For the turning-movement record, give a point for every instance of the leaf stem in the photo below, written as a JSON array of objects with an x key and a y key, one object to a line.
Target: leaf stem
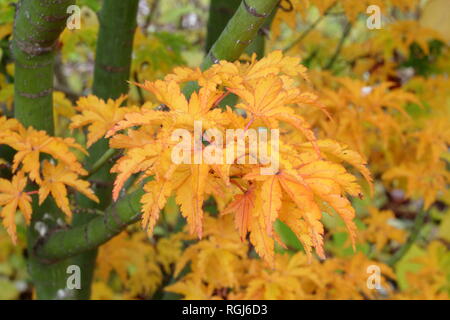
[{"x": 101, "y": 161}]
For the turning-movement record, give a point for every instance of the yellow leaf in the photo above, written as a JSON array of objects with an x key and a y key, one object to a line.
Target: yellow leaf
[
  {"x": 13, "y": 196},
  {"x": 153, "y": 201},
  {"x": 190, "y": 196},
  {"x": 31, "y": 143},
  {"x": 264, "y": 245},
  {"x": 99, "y": 116},
  {"x": 242, "y": 206},
  {"x": 55, "y": 180}
]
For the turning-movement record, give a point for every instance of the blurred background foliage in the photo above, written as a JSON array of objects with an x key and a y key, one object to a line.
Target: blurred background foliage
[{"x": 363, "y": 76}]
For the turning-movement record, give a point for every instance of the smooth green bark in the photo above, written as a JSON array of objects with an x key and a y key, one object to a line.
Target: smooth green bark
[
  {"x": 66, "y": 243},
  {"x": 240, "y": 31},
  {"x": 220, "y": 12},
  {"x": 114, "y": 48},
  {"x": 111, "y": 72},
  {"x": 238, "y": 34},
  {"x": 37, "y": 26}
]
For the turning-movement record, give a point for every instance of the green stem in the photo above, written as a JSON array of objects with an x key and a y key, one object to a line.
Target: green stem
[
  {"x": 220, "y": 12},
  {"x": 79, "y": 239},
  {"x": 258, "y": 45},
  {"x": 111, "y": 72},
  {"x": 100, "y": 162},
  {"x": 37, "y": 26},
  {"x": 415, "y": 232},
  {"x": 240, "y": 31},
  {"x": 114, "y": 48}
]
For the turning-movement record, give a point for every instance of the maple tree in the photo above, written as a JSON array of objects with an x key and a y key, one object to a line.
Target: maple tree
[{"x": 356, "y": 121}]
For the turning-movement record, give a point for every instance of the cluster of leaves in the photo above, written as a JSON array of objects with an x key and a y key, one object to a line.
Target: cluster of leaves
[
  {"x": 133, "y": 267},
  {"x": 268, "y": 90},
  {"x": 375, "y": 100},
  {"x": 52, "y": 176},
  {"x": 223, "y": 268},
  {"x": 397, "y": 118}
]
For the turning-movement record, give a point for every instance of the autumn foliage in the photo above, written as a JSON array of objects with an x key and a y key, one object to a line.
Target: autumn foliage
[{"x": 363, "y": 121}]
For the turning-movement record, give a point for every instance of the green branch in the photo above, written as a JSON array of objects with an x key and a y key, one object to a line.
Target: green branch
[
  {"x": 110, "y": 153},
  {"x": 37, "y": 26},
  {"x": 114, "y": 48},
  {"x": 111, "y": 72},
  {"x": 220, "y": 12},
  {"x": 240, "y": 31},
  {"x": 70, "y": 242}
]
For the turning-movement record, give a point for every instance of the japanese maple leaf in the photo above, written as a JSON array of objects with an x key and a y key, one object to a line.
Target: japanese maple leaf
[
  {"x": 274, "y": 64},
  {"x": 155, "y": 157},
  {"x": 308, "y": 187},
  {"x": 55, "y": 181},
  {"x": 297, "y": 190},
  {"x": 98, "y": 115},
  {"x": 190, "y": 184},
  {"x": 153, "y": 201},
  {"x": 183, "y": 111},
  {"x": 264, "y": 244},
  {"x": 13, "y": 196},
  {"x": 136, "y": 160},
  {"x": 335, "y": 151},
  {"x": 30, "y": 143},
  {"x": 267, "y": 99},
  {"x": 234, "y": 74},
  {"x": 8, "y": 125},
  {"x": 243, "y": 206},
  {"x": 250, "y": 216}
]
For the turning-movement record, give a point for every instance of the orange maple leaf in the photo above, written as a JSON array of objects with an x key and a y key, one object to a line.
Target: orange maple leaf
[
  {"x": 55, "y": 180},
  {"x": 30, "y": 143},
  {"x": 99, "y": 116},
  {"x": 13, "y": 196}
]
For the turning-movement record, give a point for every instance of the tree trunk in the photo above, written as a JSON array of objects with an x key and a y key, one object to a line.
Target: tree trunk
[
  {"x": 37, "y": 26},
  {"x": 112, "y": 70}
]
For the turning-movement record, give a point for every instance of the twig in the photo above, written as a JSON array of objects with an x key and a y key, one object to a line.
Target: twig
[
  {"x": 101, "y": 161},
  {"x": 150, "y": 16},
  {"x": 418, "y": 224},
  {"x": 139, "y": 89},
  {"x": 345, "y": 34},
  {"x": 309, "y": 29}
]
